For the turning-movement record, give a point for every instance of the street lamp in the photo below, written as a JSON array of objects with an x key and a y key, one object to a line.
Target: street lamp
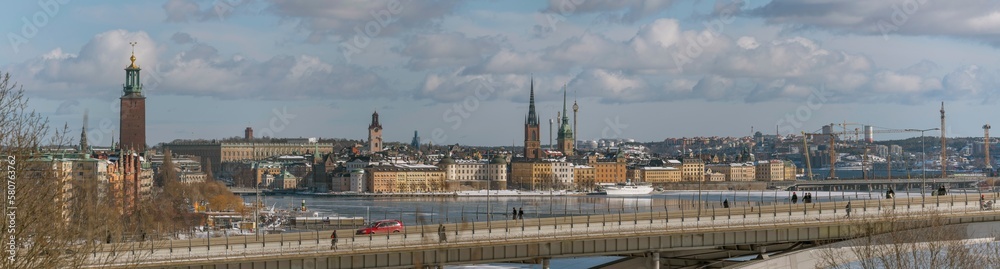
[{"x": 923, "y": 163}]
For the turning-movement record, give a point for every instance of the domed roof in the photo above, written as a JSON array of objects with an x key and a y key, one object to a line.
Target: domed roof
[
  {"x": 498, "y": 160},
  {"x": 447, "y": 160}
]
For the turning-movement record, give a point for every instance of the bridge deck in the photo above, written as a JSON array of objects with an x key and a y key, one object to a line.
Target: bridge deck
[{"x": 532, "y": 239}]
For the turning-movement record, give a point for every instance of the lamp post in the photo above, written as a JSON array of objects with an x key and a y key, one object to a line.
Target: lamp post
[
  {"x": 923, "y": 163},
  {"x": 488, "y": 188}
]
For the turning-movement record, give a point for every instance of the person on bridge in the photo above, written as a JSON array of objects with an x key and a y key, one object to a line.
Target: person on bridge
[
  {"x": 333, "y": 240},
  {"x": 795, "y": 198},
  {"x": 848, "y": 209},
  {"x": 942, "y": 191},
  {"x": 520, "y": 213},
  {"x": 514, "y": 214},
  {"x": 889, "y": 194},
  {"x": 443, "y": 236},
  {"x": 807, "y": 198},
  {"x": 982, "y": 202},
  {"x": 725, "y": 204}
]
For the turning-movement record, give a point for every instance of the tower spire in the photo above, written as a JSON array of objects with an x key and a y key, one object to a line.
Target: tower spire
[
  {"x": 83, "y": 133},
  {"x": 532, "y": 117},
  {"x": 565, "y": 130}
]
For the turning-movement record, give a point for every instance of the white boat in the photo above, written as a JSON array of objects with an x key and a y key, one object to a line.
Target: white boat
[{"x": 627, "y": 188}]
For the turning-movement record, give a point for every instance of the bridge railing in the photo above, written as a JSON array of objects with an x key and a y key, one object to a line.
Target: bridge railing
[{"x": 611, "y": 223}]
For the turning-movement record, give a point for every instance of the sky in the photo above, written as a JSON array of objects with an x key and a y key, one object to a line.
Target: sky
[{"x": 459, "y": 72}]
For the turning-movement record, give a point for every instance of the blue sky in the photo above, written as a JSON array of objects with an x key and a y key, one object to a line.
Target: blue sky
[{"x": 458, "y": 71}]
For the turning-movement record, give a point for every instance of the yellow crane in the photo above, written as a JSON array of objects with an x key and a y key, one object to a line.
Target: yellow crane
[{"x": 831, "y": 150}]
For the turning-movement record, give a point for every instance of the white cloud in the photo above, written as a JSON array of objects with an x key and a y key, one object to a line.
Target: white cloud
[
  {"x": 427, "y": 51},
  {"x": 625, "y": 11},
  {"x": 977, "y": 20},
  {"x": 97, "y": 71},
  {"x": 343, "y": 19}
]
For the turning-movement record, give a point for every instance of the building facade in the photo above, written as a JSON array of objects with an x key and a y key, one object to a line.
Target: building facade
[
  {"x": 735, "y": 171},
  {"x": 223, "y": 152},
  {"x": 609, "y": 171},
  {"x": 541, "y": 175},
  {"x": 404, "y": 178},
  {"x": 775, "y": 170},
  {"x": 475, "y": 174},
  {"x": 655, "y": 174},
  {"x": 692, "y": 169},
  {"x": 584, "y": 177}
]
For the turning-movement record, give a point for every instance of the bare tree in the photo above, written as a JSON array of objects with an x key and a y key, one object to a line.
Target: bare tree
[
  {"x": 915, "y": 240},
  {"x": 52, "y": 220}
]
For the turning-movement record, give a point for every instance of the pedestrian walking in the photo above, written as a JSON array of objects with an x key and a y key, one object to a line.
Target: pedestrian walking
[
  {"x": 442, "y": 235},
  {"x": 725, "y": 204},
  {"x": 795, "y": 198},
  {"x": 982, "y": 202},
  {"x": 514, "y": 215},
  {"x": 520, "y": 213},
  {"x": 333, "y": 240},
  {"x": 848, "y": 209}
]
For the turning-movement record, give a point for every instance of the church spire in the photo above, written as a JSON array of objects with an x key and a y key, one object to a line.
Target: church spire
[
  {"x": 532, "y": 117},
  {"x": 83, "y": 134}
]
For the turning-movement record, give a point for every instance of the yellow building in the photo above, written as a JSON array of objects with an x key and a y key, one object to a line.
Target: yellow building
[
  {"x": 404, "y": 178},
  {"x": 656, "y": 174},
  {"x": 735, "y": 171},
  {"x": 608, "y": 172},
  {"x": 584, "y": 177},
  {"x": 692, "y": 169},
  {"x": 775, "y": 170},
  {"x": 543, "y": 175},
  {"x": 713, "y": 176}
]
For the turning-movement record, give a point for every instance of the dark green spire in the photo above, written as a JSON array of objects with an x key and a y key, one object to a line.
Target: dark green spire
[
  {"x": 565, "y": 131},
  {"x": 532, "y": 117},
  {"x": 132, "y": 86}
]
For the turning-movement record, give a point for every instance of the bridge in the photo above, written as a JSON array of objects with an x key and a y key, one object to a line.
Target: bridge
[
  {"x": 710, "y": 237},
  {"x": 884, "y": 184}
]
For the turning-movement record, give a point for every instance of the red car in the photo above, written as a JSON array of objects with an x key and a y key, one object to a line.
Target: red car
[{"x": 382, "y": 226}]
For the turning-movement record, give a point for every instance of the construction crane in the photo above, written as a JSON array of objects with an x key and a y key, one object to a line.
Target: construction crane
[{"x": 830, "y": 149}]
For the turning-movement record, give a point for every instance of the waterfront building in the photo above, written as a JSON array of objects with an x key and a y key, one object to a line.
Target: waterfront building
[
  {"x": 404, "y": 178},
  {"x": 612, "y": 169},
  {"x": 714, "y": 176},
  {"x": 285, "y": 180},
  {"x": 692, "y": 169},
  {"x": 735, "y": 171},
  {"x": 657, "y": 174},
  {"x": 541, "y": 174},
  {"x": 475, "y": 174},
  {"x": 219, "y": 152},
  {"x": 775, "y": 170},
  {"x": 584, "y": 177}
]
